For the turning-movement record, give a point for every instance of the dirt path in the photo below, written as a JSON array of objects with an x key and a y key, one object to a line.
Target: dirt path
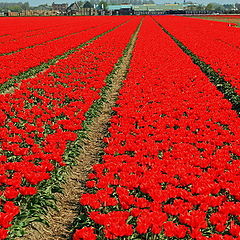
[{"x": 67, "y": 202}]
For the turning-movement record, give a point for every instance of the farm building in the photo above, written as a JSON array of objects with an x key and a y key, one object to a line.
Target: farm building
[
  {"x": 61, "y": 8},
  {"x": 156, "y": 9},
  {"x": 78, "y": 8},
  {"x": 122, "y": 9}
]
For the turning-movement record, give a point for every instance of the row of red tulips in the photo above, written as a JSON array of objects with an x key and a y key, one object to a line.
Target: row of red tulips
[
  {"x": 171, "y": 164},
  {"x": 32, "y": 57},
  {"x": 12, "y": 26},
  {"x": 39, "y": 119},
  {"x": 215, "y": 43},
  {"x": 24, "y": 38}
]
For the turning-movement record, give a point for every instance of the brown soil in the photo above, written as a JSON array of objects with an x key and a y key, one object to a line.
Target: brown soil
[{"x": 67, "y": 203}]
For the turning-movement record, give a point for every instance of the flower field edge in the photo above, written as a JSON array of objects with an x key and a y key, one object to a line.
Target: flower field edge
[
  {"x": 222, "y": 85},
  {"x": 35, "y": 207}
]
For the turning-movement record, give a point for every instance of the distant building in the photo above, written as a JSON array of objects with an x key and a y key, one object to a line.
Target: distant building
[
  {"x": 78, "y": 8},
  {"x": 12, "y": 14},
  {"x": 61, "y": 8},
  {"x": 156, "y": 9},
  {"x": 37, "y": 12},
  {"x": 121, "y": 9}
]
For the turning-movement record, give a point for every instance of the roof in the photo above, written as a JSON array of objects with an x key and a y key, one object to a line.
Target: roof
[
  {"x": 75, "y": 6},
  {"x": 43, "y": 7},
  {"x": 118, "y": 7},
  {"x": 87, "y": 5},
  {"x": 158, "y": 7}
]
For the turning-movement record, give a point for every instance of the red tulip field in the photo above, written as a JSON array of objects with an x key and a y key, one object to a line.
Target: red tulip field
[{"x": 119, "y": 127}]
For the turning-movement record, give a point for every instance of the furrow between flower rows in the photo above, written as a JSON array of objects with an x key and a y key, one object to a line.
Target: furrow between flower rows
[
  {"x": 45, "y": 116},
  {"x": 96, "y": 127},
  {"x": 15, "y": 65},
  {"x": 46, "y": 40},
  {"x": 171, "y": 164},
  {"x": 19, "y": 41}
]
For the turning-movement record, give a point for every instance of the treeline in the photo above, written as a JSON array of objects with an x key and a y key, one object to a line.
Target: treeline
[{"x": 14, "y": 7}]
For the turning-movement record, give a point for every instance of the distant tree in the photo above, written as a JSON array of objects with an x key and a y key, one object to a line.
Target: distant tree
[
  {"x": 25, "y": 6},
  {"x": 14, "y": 7},
  {"x": 192, "y": 7},
  {"x": 228, "y": 6},
  {"x": 237, "y": 6},
  {"x": 200, "y": 7},
  {"x": 80, "y": 3},
  {"x": 209, "y": 7},
  {"x": 219, "y": 7},
  {"x": 102, "y": 5},
  {"x": 214, "y": 7}
]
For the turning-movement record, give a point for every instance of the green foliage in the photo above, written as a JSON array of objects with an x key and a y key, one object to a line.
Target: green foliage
[
  {"x": 103, "y": 5},
  {"x": 14, "y": 7}
]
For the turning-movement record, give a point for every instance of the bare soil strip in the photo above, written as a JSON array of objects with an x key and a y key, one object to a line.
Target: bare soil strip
[
  {"x": 67, "y": 203},
  {"x": 9, "y": 86}
]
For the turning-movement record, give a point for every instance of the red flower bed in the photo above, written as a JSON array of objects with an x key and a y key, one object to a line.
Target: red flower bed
[
  {"x": 216, "y": 43},
  {"x": 45, "y": 113},
  {"x": 31, "y": 57},
  {"x": 171, "y": 164},
  {"x": 9, "y": 27},
  {"x": 38, "y": 34}
]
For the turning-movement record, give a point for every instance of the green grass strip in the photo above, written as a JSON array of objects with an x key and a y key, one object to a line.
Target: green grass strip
[{"x": 222, "y": 85}]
